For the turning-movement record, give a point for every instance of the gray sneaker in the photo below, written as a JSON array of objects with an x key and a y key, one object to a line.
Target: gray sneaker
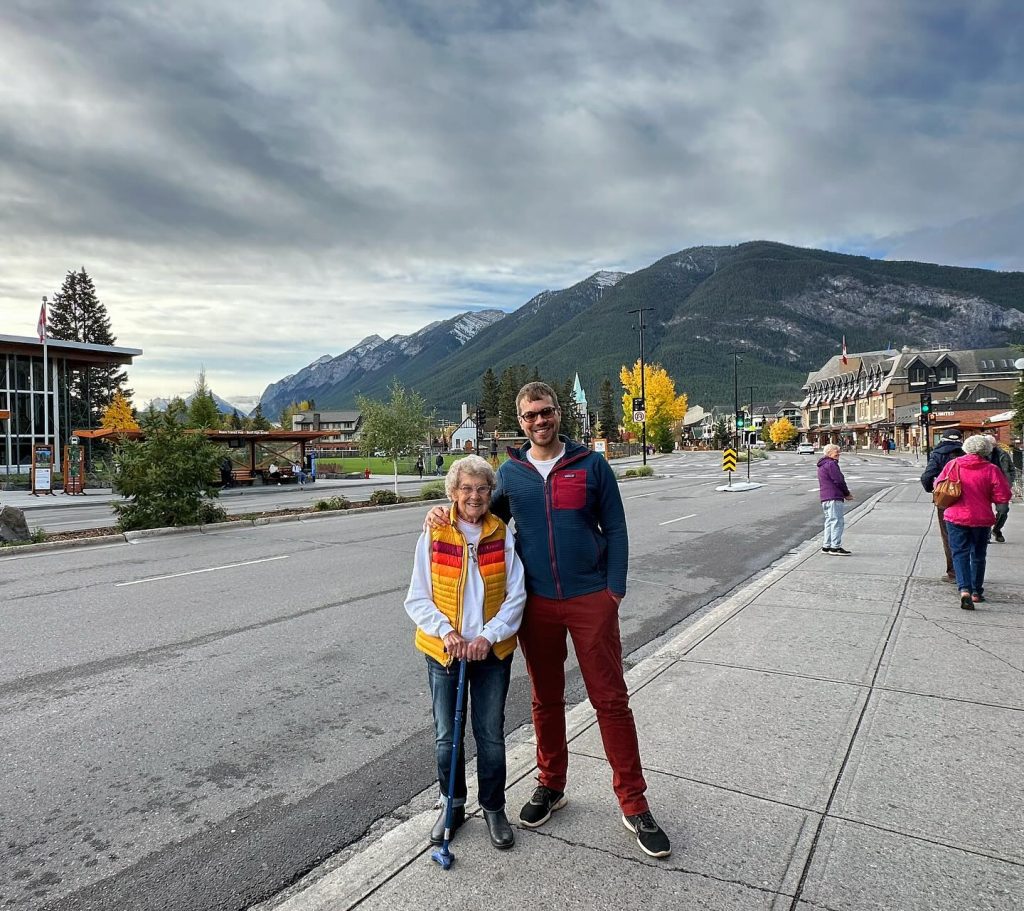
[{"x": 649, "y": 835}]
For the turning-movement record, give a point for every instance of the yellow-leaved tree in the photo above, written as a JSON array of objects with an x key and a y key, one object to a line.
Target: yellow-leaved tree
[
  {"x": 118, "y": 415},
  {"x": 664, "y": 407},
  {"x": 783, "y": 431}
]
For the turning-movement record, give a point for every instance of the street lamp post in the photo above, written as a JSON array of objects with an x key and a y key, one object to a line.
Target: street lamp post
[
  {"x": 643, "y": 384},
  {"x": 747, "y": 431}
]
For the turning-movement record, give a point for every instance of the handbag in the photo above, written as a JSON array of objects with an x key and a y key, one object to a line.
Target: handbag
[{"x": 946, "y": 492}]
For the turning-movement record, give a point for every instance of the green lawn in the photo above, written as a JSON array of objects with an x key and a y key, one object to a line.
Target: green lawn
[{"x": 382, "y": 466}]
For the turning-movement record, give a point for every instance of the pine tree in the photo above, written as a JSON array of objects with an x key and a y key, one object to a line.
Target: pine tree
[
  {"x": 508, "y": 389},
  {"x": 77, "y": 315},
  {"x": 235, "y": 421},
  {"x": 606, "y": 412},
  {"x": 259, "y": 420},
  {"x": 490, "y": 395},
  {"x": 720, "y": 436},
  {"x": 203, "y": 412},
  {"x": 570, "y": 413},
  {"x": 118, "y": 415},
  {"x": 177, "y": 410}
]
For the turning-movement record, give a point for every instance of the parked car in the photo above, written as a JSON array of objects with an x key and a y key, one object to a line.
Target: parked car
[{"x": 805, "y": 449}]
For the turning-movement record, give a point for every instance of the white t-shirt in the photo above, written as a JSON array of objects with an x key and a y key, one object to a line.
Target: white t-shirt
[{"x": 544, "y": 466}]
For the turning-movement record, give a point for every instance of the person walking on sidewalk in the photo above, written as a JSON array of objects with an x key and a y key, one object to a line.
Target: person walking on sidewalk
[
  {"x": 970, "y": 519},
  {"x": 1004, "y": 462},
  {"x": 419, "y": 466},
  {"x": 949, "y": 448},
  {"x": 466, "y": 598},
  {"x": 834, "y": 493},
  {"x": 573, "y": 541}
]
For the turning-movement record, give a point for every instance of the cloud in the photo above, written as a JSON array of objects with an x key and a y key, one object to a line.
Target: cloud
[{"x": 255, "y": 185}]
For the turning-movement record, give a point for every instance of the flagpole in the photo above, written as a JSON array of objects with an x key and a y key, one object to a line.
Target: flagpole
[{"x": 46, "y": 379}]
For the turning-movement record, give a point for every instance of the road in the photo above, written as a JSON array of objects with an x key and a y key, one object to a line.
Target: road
[{"x": 194, "y": 721}]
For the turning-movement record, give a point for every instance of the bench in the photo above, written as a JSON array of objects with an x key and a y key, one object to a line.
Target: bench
[
  {"x": 242, "y": 476},
  {"x": 284, "y": 476}
]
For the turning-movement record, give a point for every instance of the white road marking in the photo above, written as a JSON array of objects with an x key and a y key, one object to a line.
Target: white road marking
[
  {"x": 680, "y": 519},
  {"x": 639, "y": 496},
  {"x": 211, "y": 569}
]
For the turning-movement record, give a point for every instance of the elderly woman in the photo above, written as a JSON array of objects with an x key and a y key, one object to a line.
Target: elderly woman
[
  {"x": 833, "y": 493},
  {"x": 466, "y": 598},
  {"x": 970, "y": 519}
]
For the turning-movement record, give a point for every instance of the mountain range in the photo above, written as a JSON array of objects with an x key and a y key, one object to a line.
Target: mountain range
[{"x": 784, "y": 309}]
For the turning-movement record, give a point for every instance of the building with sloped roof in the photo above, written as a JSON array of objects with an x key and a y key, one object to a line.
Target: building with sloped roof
[{"x": 875, "y": 396}]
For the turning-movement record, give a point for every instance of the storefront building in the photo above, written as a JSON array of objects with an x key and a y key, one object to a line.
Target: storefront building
[
  {"x": 31, "y": 402},
  {"x": 873, "y": 401}
]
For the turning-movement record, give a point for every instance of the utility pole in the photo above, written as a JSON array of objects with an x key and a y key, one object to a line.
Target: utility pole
[
  {"x": 643, "y": 378},
  {"x": 736, "y": 358}
]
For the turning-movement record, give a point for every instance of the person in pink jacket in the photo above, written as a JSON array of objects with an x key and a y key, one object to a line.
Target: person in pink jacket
[{"x": 969, "y": 521}]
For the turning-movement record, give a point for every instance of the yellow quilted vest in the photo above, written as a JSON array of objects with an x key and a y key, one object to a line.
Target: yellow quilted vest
[{"x": 449, "y": 563}]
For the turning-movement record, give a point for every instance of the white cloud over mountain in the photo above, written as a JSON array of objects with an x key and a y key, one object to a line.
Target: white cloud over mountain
[{"x": 251, "y": 185}]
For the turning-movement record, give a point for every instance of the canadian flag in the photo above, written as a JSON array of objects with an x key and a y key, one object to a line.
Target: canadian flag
[
  {"x": 845, "y": 361},
  {"x": 41, "y": 325}
]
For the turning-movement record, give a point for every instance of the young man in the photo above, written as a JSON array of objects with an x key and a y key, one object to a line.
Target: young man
[{"x": 572, "y": 539}]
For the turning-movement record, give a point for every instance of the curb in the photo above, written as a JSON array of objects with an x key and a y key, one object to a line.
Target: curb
[{"x": 131, "y": 537}]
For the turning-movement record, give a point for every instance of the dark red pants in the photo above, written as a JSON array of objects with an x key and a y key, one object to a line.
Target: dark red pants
[{"x": 593, "y": 622}]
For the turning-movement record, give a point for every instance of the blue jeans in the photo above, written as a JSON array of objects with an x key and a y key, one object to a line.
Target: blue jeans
[
  {"x": 834, "y": 522},
  {"x": 969, "y": 546},
  {"x": 486, "y": 688}
]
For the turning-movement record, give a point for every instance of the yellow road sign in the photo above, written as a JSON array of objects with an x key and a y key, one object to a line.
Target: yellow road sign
[{"x": 729, "y": 460}]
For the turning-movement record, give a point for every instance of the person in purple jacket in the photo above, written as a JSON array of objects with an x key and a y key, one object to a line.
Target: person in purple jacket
[{"x": 834, "y": 493}]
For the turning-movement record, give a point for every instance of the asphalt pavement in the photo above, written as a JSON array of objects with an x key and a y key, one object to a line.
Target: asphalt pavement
[{"x": 839, "y": 734}]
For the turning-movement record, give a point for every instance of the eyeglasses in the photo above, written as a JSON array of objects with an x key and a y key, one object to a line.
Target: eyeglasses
[
  {"x": 479, "y": 491},
  {"x": 529, "y": 417}
]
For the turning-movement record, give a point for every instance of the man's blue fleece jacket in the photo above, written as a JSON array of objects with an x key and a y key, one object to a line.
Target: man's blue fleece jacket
[{"x": 571, "y": 529}]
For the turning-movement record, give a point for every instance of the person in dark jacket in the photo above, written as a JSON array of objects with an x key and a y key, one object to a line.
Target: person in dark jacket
[
  {"x": 834, "y": 493},
  {"x": 1004, "y": 462},
  {"x": 949, "y": 448},
  {"x": 571, "y": 536}
]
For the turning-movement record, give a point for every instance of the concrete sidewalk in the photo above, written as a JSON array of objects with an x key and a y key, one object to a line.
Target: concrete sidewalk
[{"x": 838, "y": 735}]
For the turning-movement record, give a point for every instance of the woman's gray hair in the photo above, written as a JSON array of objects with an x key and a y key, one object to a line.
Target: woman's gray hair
[
  {"x": 471, "y": 465},
  {"x": 830, "y": 449},
  {"x": 978, "y": 444}
]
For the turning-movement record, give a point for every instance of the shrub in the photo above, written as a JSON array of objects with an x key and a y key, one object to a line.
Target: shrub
[
  {"x": 433, "y": 491},
  {"x": 383, "y": 498},
  {"x": 644, "y": 471},
  {"x": 168, "y": 478},
  {"x": 331, "y": 503}
]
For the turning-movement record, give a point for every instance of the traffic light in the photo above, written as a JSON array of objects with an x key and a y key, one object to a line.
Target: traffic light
[
  {"x": 741, "y": 420},
  {"x": 926, "y": 406}
]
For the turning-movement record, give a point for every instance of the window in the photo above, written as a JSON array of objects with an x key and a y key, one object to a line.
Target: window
[
  {"x": 918, "y": 375},
  {"x": 947, "y": 373}
]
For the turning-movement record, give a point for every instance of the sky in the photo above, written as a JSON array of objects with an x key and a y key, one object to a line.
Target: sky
[{"x": 254, "y": 185}]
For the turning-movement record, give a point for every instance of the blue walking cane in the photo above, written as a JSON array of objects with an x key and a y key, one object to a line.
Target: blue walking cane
[{"x": 443, "y": 855}]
